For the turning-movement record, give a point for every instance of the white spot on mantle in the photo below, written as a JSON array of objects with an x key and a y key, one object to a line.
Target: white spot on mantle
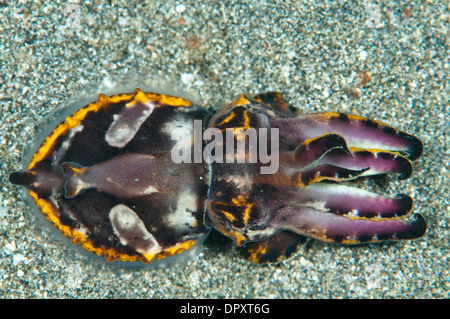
[
  {"x": 183, "y": 215},
  {"x": 122, "y": 130},
  {"x": 127, "y": 225}
]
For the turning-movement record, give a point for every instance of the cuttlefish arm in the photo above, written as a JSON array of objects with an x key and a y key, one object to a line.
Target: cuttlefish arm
[{"x": 267, "y": 214}]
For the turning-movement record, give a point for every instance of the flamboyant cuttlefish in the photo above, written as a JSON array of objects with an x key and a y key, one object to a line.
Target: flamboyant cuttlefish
[{"x": 144, "y": 176}]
